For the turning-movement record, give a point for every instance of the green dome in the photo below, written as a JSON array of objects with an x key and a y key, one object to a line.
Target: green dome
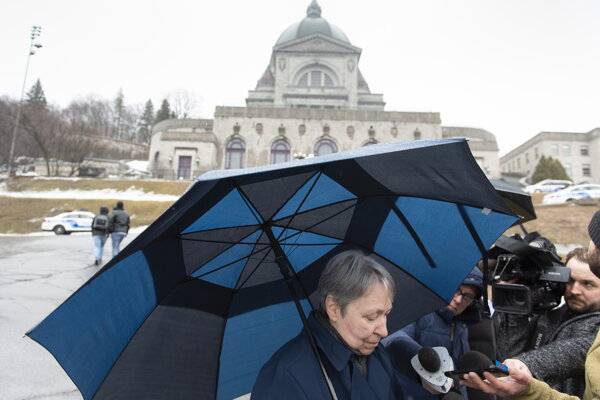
[{"x": 313, "y": 23}]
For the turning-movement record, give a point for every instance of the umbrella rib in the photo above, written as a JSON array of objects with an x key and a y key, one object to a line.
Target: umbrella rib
[
  {"x": 318, "y": 175},
  {"x": 471, "y": 229},
  {"x": 232, "y": 262},
  {"x": 414, "y": 235},
  {"x": 241, "y": 284}
]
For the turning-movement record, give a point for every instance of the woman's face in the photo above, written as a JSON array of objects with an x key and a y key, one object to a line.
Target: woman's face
[{"x": 364, "y": 321}]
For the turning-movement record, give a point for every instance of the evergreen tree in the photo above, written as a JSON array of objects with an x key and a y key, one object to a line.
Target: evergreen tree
[
  {"x": 164, "y": 112},
  {"x": 549, "y": 168},
  {"x": 145, "y": 124},
  {"x": 36, "y": 96},
  {"x": 119, "y": 113}
]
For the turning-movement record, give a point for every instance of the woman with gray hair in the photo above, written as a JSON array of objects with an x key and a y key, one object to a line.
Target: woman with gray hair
[{"x": 355, "y": 297}]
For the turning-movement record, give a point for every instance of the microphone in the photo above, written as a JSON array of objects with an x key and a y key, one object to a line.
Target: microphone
[
  {"x": 429, "y": 359},
  {"x": 430, "y": 363},
  {"x": 473, "y": 360},
  {"x": 453, "y": 396}
]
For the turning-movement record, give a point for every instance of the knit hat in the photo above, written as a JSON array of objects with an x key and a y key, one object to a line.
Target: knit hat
[{"x": 594, "y": 229}]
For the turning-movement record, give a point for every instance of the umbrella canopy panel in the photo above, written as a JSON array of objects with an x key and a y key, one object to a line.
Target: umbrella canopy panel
[{"x": 197, "y": 304}]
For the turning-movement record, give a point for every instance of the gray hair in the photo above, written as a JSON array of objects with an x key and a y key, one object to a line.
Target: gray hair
[{"x": 348, "y": 276}]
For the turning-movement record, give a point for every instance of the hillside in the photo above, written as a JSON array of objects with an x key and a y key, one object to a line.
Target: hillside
[{"x": 564, "y": 225}]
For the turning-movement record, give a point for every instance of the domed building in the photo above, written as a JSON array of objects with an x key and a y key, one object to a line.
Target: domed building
[{"x": 311, "y": 100}]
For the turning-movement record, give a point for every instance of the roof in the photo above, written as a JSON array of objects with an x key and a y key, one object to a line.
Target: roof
[{"x": 311, "y": 24}]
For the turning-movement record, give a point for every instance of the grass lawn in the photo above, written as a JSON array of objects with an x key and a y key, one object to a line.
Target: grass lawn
[{"x": 562, "y": 224}]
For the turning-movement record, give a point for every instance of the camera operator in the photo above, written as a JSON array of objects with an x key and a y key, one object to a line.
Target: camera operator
[{"x": 552, "y": 344}]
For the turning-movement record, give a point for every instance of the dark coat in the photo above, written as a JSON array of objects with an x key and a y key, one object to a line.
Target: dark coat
[
  {"x": 119, "y": 221},
  {"x": 439, "y": 328},
  {"x": 553, "y": 345},
  {"x": 294, "y": 373}
]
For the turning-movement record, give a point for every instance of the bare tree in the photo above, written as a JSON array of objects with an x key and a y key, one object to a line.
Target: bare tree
[{"x": 183, "y": 103}]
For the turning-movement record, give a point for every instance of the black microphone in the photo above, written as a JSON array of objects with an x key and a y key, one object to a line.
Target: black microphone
[
  {"x": 474, "y": 360},
  {"x": 453, "y": 396},
  {"x": 429, "y": 359}
]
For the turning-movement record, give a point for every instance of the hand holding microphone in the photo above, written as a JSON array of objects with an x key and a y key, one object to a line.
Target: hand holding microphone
[{"x": 488, "y": 379}]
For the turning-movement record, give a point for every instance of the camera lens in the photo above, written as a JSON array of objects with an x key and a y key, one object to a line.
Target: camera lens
[{"x": 517, "y": 299}]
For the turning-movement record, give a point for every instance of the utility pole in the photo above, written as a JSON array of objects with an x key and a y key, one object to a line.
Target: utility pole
[{"x": 35, "y": 33}]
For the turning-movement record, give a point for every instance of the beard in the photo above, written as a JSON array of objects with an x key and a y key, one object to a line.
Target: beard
[{"x": 594, "y": 261}]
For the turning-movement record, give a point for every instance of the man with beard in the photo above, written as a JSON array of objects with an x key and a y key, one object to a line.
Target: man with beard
[{"x": 557, "y": 342}]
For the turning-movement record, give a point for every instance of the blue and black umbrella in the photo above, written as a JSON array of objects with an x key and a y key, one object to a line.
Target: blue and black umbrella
[{"x": 196, "y": 304}]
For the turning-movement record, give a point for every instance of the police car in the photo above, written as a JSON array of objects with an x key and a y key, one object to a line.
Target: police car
[
  {"x": 65, "y": 223},
  {"x": 577, "y": 192}
]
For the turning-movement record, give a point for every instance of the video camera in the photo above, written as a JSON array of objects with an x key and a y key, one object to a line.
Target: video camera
[{"x": 535, "y": 267}]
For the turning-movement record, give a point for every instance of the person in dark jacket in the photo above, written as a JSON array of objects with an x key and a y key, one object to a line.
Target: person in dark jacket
[
  {"x": 100, "y": 230},
  {"x": 446, "y": 327},
  {"x": 119, "y": 226},
  {"x": 553, "y": 346},
  {"x": 355, "y": 296},
  {"x": 521, "y": 384}
]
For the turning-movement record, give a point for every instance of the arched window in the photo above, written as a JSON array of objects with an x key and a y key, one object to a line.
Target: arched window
[
  {"x": 280, "y": 151},
  {"x": 316, "y": 78},
  {"x": 325, "y": 146},
  {"x": 234, "y": 154}
]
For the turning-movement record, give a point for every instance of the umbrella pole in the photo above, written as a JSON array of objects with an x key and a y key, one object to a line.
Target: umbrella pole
[
  {"x": 524, "y": 230},
  {"x": 284, "y": 268}
]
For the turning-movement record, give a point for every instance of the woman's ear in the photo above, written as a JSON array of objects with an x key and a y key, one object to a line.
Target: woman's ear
[{"x": 333, "y": 309}]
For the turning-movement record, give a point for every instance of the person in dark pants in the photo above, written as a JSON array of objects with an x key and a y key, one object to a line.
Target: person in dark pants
[
  {"x": 119, "y": 226},
  {"x": 100, "y": 230}
]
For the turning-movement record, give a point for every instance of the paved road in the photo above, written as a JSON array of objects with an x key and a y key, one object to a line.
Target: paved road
[{"x": 37, "y": 273}]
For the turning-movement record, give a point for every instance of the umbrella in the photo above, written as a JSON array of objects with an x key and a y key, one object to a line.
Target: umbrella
[
  {"x": 518, "y": 200},
  {"x": 196, "y": 304}
]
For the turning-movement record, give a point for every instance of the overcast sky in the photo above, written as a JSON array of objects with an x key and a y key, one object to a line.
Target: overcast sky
[{"x": 512, "y": 67}]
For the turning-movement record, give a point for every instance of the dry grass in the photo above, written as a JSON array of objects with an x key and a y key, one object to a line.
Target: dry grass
[
  {"x": 41, "y": 184},
  {"x": 24, "y": 215},
  {"x": 563, "y": 224}
]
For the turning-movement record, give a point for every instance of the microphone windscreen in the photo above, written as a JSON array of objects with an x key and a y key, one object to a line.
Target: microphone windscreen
[
  {"x": 473, "y": 360},
  {"x": 429, "y": 359},
  {"x": 453, "y": 396}
]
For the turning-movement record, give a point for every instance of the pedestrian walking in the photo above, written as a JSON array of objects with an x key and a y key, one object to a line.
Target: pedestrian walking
[
  {"x": 119, "y": 226},
  {"x": 100, "y": 230}
]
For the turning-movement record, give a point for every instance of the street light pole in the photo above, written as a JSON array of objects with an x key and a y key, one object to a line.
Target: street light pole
[{"x": 35, "y": 32}]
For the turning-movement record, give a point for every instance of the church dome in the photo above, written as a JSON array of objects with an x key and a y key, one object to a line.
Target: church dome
[{"x": 313, "y": 23}]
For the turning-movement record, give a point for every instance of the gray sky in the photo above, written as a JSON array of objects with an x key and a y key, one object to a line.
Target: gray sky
[{"x": 512, "y": 67}]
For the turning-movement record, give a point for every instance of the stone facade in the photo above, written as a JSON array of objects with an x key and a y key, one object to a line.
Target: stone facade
[
  {"x": 312, "y": 99},
  {"x": 579, "y": 153}
]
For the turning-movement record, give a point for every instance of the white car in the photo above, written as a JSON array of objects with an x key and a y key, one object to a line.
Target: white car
[
  {"x": 547, "y": 186},
  {"x": 65, "y": 223},
  {"x": 571, "y": 193}
]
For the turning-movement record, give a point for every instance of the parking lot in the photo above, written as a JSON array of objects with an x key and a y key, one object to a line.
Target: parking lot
[{"x": 37, "y": 273}]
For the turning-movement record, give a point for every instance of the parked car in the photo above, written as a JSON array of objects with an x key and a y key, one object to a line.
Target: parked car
[
  {"x": 571, "y": 193},
  {"x": 65, "y": 223},
  {"x": 548, "y": 186}
]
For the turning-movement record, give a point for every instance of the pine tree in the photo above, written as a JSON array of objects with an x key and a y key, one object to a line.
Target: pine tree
[
  {"x": 164, "y": 112},
  {"x": 36, "y": 96},
  {"x": 119, "y": 113},
  {"x": 549, "y": 168},
  {"x": 145, "y": 124}
]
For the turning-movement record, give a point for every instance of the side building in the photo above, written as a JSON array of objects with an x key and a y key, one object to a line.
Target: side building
[
  {"x": 579, "y": 153},
  {"x": 312, "y": 99}
]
